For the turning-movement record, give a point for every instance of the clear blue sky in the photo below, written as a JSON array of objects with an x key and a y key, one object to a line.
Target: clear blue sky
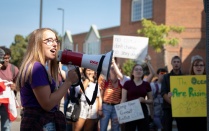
[{"x": 22, "y": 16}]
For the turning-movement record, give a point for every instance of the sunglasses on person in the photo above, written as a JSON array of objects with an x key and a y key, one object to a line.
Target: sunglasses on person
[{"x": 162, "y": 73}]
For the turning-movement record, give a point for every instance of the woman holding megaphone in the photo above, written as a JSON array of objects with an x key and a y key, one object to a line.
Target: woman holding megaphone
[{"x": 38, "y": 87}]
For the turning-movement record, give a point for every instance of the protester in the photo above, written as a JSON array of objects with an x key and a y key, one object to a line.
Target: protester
[
  {"x": 111, "y": 95},
  {"x": 197, "y": 68},
  {"x": 133, "y": 89},
  {"x": 195, "y": 123},
  {"x": 88, "y": 119},
  {"x": 166, "y": 94},
  {"x": 8, "y": 72},
  {"x": 39, "y": 90},
  {"x": 156, "y": 110}
]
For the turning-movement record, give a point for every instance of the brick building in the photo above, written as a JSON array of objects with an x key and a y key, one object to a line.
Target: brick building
[{"x": 189, "y": 14}]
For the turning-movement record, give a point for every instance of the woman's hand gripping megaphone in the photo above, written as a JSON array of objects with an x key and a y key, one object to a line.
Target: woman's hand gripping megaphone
[{"x": 73, "y": 75}]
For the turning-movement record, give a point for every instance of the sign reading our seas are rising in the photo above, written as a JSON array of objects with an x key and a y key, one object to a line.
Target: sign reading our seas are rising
[{"x": 188, "y": 96}]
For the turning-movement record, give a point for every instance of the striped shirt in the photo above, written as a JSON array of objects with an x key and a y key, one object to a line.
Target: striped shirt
[{"x": 111, "y": 94}]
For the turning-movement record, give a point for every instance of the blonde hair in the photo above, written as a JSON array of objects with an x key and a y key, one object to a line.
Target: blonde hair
[{"x": 35, "y": 53}]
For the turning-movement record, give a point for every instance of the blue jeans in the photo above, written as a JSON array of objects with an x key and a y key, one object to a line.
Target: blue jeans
[
  {"x": 5, "y": 122},
  {"x": 109, "y": 113},
  {"x": 158, "y": 122},
  {"x": 49, "y": 127}
]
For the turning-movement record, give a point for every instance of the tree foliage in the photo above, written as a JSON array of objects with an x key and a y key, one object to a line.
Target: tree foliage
[
  {"x": 159, "y": 34},
  {"x": 127, "y": 67},
  {"x": 18, "y": 49}
]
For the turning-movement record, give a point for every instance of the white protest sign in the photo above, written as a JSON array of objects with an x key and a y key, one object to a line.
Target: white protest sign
[
  {"x": 132, "y": 47},
  {"x": 129, "y": 111}
]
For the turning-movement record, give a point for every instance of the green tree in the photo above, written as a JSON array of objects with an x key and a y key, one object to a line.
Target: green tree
[
  {"x": 158, "y": 37},
  {"x": 127, "y": 67},
  {"x": 159, "y": 34},
  {"x": 18, "y": 49}
]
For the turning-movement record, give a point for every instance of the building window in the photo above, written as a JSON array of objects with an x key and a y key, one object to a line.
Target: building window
[
  {"x": 141, "y": 9},
  {"x": 92, "y": 48}
]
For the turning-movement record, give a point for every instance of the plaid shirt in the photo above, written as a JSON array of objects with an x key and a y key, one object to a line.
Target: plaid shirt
[{"x": 33, "y": 119}]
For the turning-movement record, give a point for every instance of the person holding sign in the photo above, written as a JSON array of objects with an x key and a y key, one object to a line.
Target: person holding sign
[
  {"x": 111, "y": 95},
  {"x": 166, "y": 94},
  {"x": 136, "y": 88},
  {"x": 196, "y": 123},
  {"x": 156, "y": 108}
]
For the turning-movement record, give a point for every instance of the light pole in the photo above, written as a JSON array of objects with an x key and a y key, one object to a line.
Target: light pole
[
  {"x": 63, "y": 14},
  {"x": 40, "y": 20}
]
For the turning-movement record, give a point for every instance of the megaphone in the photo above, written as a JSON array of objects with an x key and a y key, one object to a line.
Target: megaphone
[{"x": 67, "y": 57}]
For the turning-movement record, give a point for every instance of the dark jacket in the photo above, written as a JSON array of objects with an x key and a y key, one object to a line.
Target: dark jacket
[{"x": 165, "y": 87}]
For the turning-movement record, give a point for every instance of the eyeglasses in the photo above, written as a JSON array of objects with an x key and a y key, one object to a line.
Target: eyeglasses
[
  {"x": 50, "y": 41},
  {"x": 137, "y": 69},
  {"x": 199, "y": 65},
  {"x": 162, "y": 73}
]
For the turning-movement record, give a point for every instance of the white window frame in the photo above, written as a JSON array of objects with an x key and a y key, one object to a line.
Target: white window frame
[{"x": 141, "y": 13}]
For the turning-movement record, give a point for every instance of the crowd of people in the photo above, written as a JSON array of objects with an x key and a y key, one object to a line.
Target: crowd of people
[{"x": 42, "y": 85}]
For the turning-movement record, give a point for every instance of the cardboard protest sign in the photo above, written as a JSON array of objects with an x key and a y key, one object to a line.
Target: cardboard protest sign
[
  {"x": 129, "y": 111},
  {"x": 188, "y": 96},
  {"x": 132, "y": 47}
]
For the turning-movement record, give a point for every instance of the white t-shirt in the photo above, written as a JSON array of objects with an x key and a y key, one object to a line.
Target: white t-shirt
[
  {"x": 86, "y": 110},
  {"x": 89, "y": 91}
]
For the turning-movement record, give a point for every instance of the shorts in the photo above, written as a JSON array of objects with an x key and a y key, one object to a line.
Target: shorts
[
  {"x": 49, "y": 127},
  {"x": 88, "y": 112}
]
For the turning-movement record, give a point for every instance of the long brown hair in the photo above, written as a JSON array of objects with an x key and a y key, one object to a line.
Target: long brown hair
[
  {"x": 35, "y": 53},
  {"x": 197, "y": 61}
]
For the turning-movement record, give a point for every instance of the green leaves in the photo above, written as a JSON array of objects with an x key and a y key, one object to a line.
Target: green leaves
[
  {"x": 159, "y": 34},
  {"x": 127, "y": 67},
  {"x": 18, "y": 49}
]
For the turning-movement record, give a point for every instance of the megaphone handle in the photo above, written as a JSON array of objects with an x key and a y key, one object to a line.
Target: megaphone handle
[{"x": 79, "y": 77}]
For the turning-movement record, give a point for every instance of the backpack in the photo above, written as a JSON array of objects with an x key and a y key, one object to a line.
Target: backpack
[
  {"x": 12, "y": 68},
  {"x": 73, "y": 106},
  {"x": 157, "y": 102}
]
